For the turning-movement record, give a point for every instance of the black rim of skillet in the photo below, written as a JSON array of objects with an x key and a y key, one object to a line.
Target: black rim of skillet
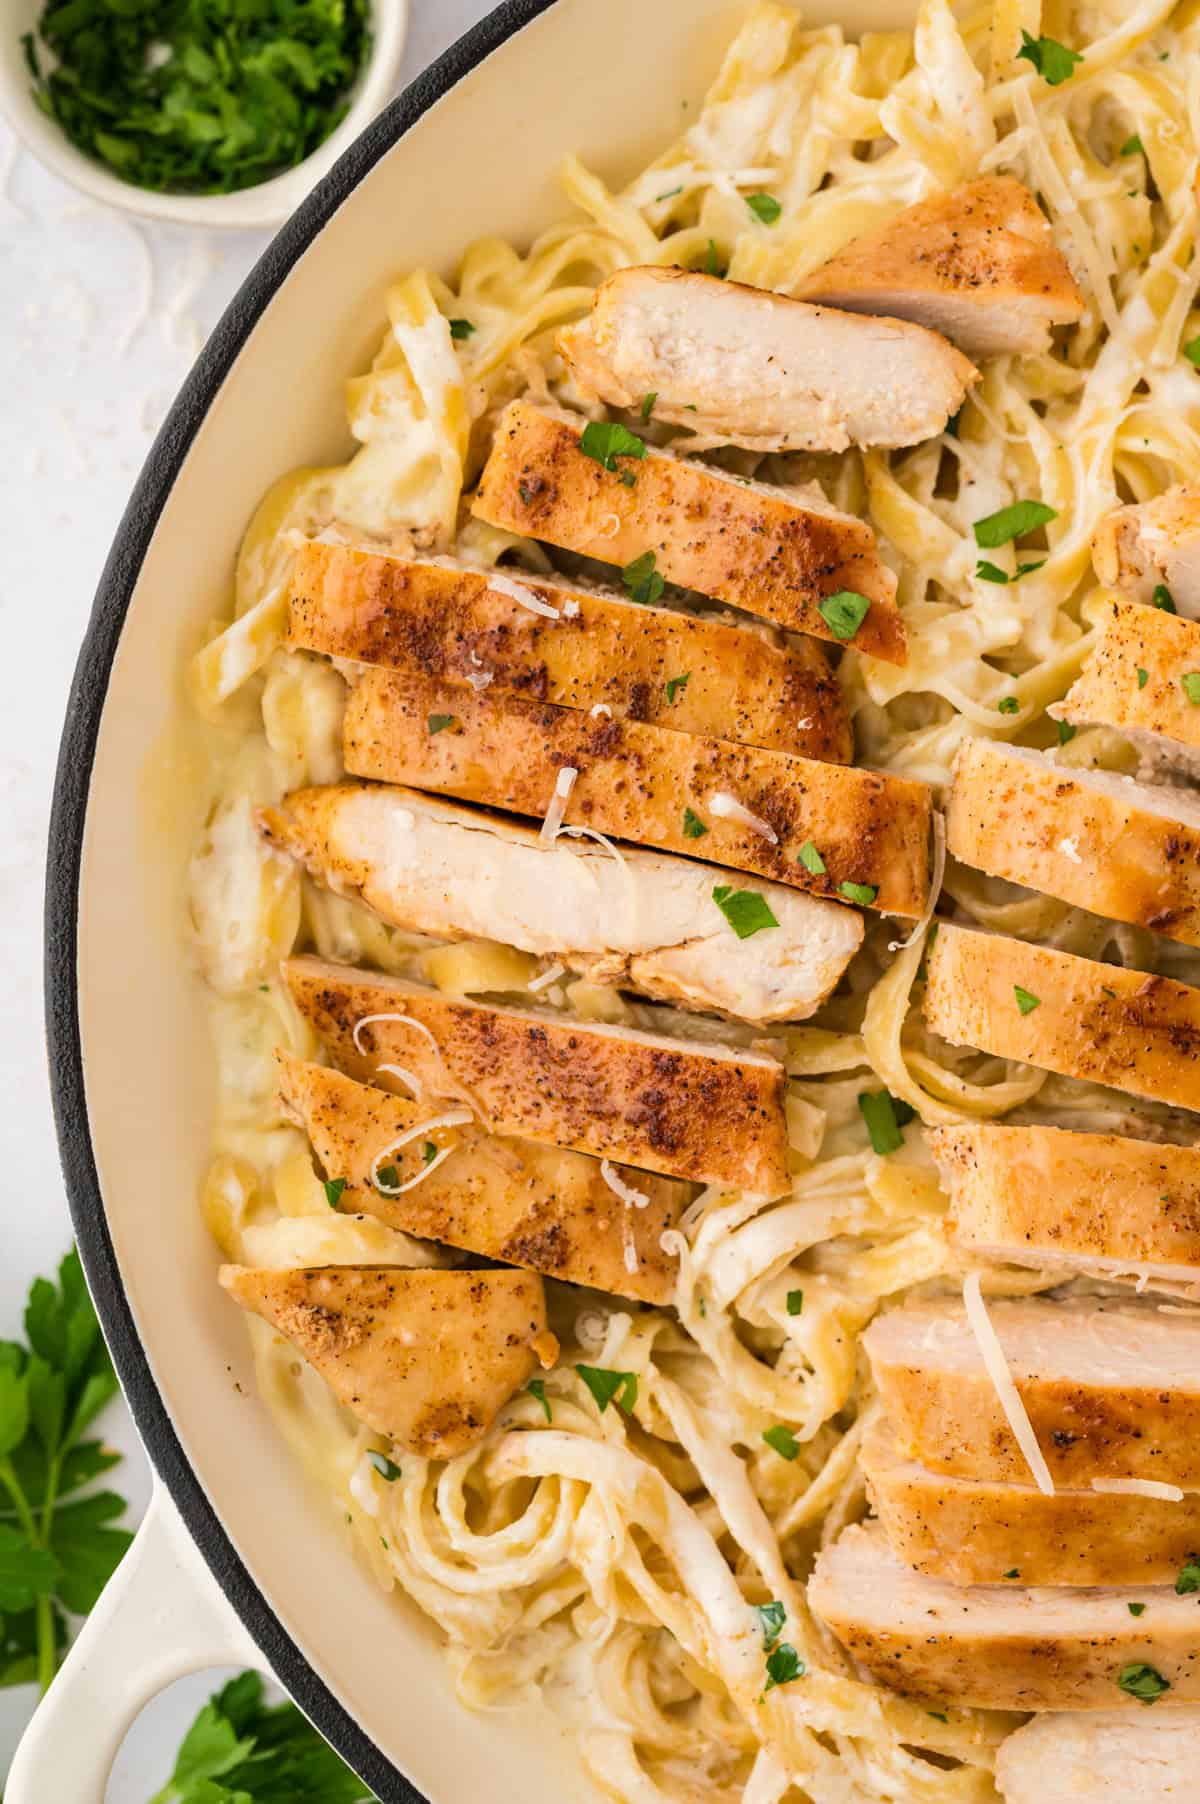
[{"x": 67, "y": 821}]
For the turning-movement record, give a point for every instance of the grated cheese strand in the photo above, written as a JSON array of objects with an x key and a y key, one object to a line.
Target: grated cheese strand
[
  {"x": 992, "y": 1354},
  {"x": 452, "y": 1118},
  {"x": 550, "y": 975},
  {"x": 500, "y": 584},
  {"x": 564, "y": 783},
  {"x": 1138, "y": 1487},
  {"x": 632, "y": 1199},
  {"x": 728, "y": 808}
]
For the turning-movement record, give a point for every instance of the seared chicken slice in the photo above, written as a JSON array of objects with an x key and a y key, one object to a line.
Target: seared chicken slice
[
  {"x": 1098, "y": 1203},
  {"x": 1128, "y": 1029},
  {"x": 1067, "y": 1757},
  {"x": 601, "y": 652},
  {"x": 1124, "y": 849},
  {"x": 689, "y": 1109},
  {"x": 998, "y": 1647},
  {"x": 736, "y": 805},
  {"x": 979, "y": 264},
  {"x": 434, "y": 867},
  {"x": 758, "y": 369},
  {"x": 1143, "y": 678},
  {"x": 1154, "y": 543},
  {"x": 779, "y": 553},
  {"x": 978, "y": 1531},
  {"x": 513, "y": 1200},
  {"x": 1111, "y": 1387},
  {"x": 427, "y": 1358}
]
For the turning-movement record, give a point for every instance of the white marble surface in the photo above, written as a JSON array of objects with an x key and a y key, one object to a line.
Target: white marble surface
[{"x": 100, "y": 320}]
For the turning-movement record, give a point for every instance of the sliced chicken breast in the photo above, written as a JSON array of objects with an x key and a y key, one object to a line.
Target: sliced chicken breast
[
  {"x": 1155, "y": 542},
  {"x": 541, "y": 1207},
  {"x": 972, "y": 1531},
  {"x": 1143, "y": 678},
  {"x": 1104, "y": 842},
  {"x": 687, "y": 1109},
  {"x": 638, "y": 919},
  {"x": 758, "y": 369},
  {"x": 599, "y": 652},
  {"x": 1001, "y": 1648},
  {"x": 1088, "y": 1757},
  {"x": 979, "y": 264},
  {"x": 778, "y": 553},
  {"x": 739, "y": 806},
  {"x": 1097, "y": 1203},
  {"x": 1128, "y": 1029},
  {"x": 427, "y": 1358},
  {"x": 1111, "y": 1386}
]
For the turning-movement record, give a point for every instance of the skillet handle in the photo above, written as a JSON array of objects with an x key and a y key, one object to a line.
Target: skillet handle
[{"x": 162, "y": 1615}]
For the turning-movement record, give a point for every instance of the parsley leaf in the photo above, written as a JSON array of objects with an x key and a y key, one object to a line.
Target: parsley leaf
[
  {"x": 764, "y": 207},
  {"x": 1026, "y": 1000},
  {"x": 783, "y": 1666},
  {"x": 606, "y": 440},
  {"x": 811, "y": 859},
  {"x": 387, "y": 1469},
  {"x": 1013, "y": 522},
  {"x": 844, "y": 612},
  {"x": 1191, "y": 350},
  {"x": 676, "y": 685},
  {"x": 537, "y": 1388},
  {"x": 862, "y": 893},
  {"x": 648, "y": 401},
  {"x": 1135, "y": 1609},
  {"x": 387, "y": 1177},
  {"x": 992, "y": 573},
  {"x": 746, "y": 910},
  {"x": 240, "y": 1750},
  {"x": 1162, "y": 598},
  {"x": 1066, "y": 732},
  {"x": 1052, "y": 60},
  {"x": 693, "y": 826},
  {"x": 1189, "y": 1577},
  {"x": 886, "y": 1116},
  {"x": 771, "y": 1618},
  {"x": 439, "y": 722},
  {"x": 643, "y": 581},
  {"x": 429, "y": 1152},
  {"x": 1132, "y": 147},
  {"x": 795, "y": 1302},
  {"x": 462, "y": 328},
  {"x": 712, "y": 261},
  {"x": 1143, "y": 677},
  {"x": 1142, "y": 1682},
  {"x": 1013, "y": 1572},
  {"x": 782, "y": 1441},
  {"x": 1190, "y": 682},
  {"x": 333, "y": 1191},
  {"x": 1008, "y": 704},
  {"x": 605, "y": 1385}
]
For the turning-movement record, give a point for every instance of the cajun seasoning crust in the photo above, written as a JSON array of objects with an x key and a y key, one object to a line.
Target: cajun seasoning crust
[
  {"x": 976, "y": 1532},
  {"x": 696, "y": 1112},
  {"x": 443, "y": 621},
  {"x": 1032, "y": 1190},
  {"x": 1108, "y": 689},
  {"x": 636, "y": 782},
  {"x": 507, "y": 1199},
  {"x": 427, "y": 1358},
  {"x": 995, "y": 1647},
  {"x": 1106, "y": 1023},
  {"x": 756, "y": 548},
  {"x": 1150, "y": 542},
  {"x": 1124, "y": 850}
]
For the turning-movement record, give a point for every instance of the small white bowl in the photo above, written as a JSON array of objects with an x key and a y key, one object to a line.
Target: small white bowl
[{"x": 264, "y": 205}]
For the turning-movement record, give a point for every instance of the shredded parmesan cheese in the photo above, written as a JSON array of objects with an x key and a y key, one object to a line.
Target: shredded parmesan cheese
[
  {"x": 599, "y": 708},
  {"x": 728, "y": 808},
  {"x": 935, "y": 887},
  {"x": 564, "y": 783},
  {"x": 1138, "y": 1487},
  {"x": 451, "y": 1119},
  {"x": 632, "y": 1199},
  {"x": 1070, "y": 850},
  {"x": 992, "y": 1354},
  {"x": 406, "y": 1077},
  {"x": 546, "y": 978},
  {"x": 500, "y": 584}
]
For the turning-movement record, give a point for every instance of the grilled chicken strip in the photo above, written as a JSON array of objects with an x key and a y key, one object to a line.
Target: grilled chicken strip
[
  {"x": 1066, "y": 1757},
  {"x": 1098, "y": 1203},
  {"x": 1157, "y": 710},
  {"x": 689, "y": 1110},
  {"x": 602, "y": 652},
  {"x": 1152, "y": 543},
  {"x": 979, "y": 264},
  {"x": 540, "y": 1207},
  {"x": 1111, "y": 1386},
  {"x": 1128, "y": 1029},
  {"x": 427, "y": 1358},
  {"x": 971, "y": 1531},
  {"x": 778, "y": 553},
  {"x": 643, "y": 921},
  {"x": 676, "y": 791},
  {"x": 994, "y": 1647},
  {"x": 762, "y": 370},
  {"x": 1124, "y": 849}
]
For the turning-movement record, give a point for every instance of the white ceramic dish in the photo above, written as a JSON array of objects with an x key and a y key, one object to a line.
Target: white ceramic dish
[
  {"x": 471, "y": 148},
  {"x": 264, "y": 205}
]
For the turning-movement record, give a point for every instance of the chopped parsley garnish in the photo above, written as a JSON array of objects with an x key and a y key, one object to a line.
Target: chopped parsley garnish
[
  {"x": 1132, "y": 147},
  {"x": 388, "y": 1175},
  {"x": 669, "y": 193},
  {"x": 439, "y": 722},
  {"x": 862, "y": 893},
  {"x": 1135, "y": 1609},
  {"x": 712, "y": 260},
  {"x": 648, "y": 400},
  {"x": 333, "y": 1191},
  {"x": 939, "y": 1716},
  {"x": 606, "y": 440},
  {"x": 795, "y": 1302},
  {"x": 1191, "y": 350},
  {"x": 642, "y": 580},
  {"x": 1162, "y": 598},
  {"x": 782, "y": 1441},
  {"x": 1189, "y": 1577},
  {"x": 537, "y": 1388},
  {"x": 783, "y": 1665},
  {"x": 189, "y": 98},
  {"x": 526, "y": 494},
  {"x": 607, "y": 1385},
  {"x": 676, "y": 685},
  {"x": 1026, "y": 1000},
  {"x": 1008, "y": 704},
  {"x": 1052, "y": 60},
  {"x": 1012, "y": 523},
  {"x": 1066, "y": 732},
  {"x": 764, "y": 207},
  {"x": 746, "y": 910},
  {"x": 386, "y": 1468},
  {"x": 844, "y": 612},
  {"x": 992, "y": 573},
  {"x": 1143, "y": 677},
  {"x": 462, "y": 328},
  {"x": 429, "y": 1152},
  {"x": 953, "y": 423},
  {"x": 693, "y": 826},
  {"x": 771, "y": 1618},
  {"x": 1013, "y": 1572},
  {"x": 1190, "y": 681},
  {"x": 1143, "y": 1682},
  {"x": 811, "y": 859},
  {"x": 886, "y": 1116}
]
